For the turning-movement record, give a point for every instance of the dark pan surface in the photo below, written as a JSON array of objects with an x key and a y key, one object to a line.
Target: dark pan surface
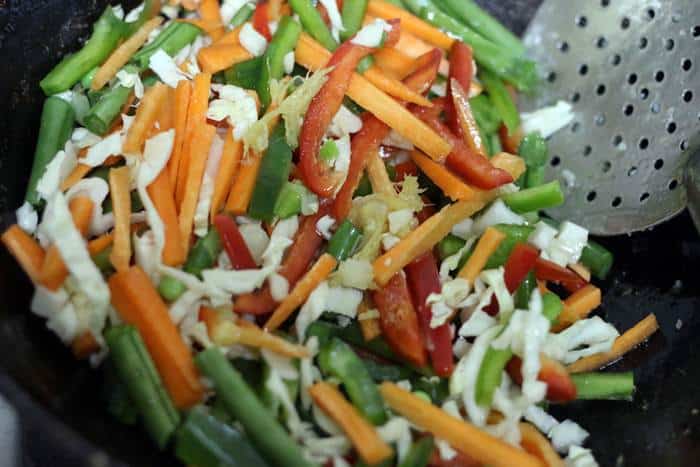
[{"x": 655, "y": 272}]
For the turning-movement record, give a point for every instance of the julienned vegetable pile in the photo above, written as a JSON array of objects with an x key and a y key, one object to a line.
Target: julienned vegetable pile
[{"x": 295, "y": 234}]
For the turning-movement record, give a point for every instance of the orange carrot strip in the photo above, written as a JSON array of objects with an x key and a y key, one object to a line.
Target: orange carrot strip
[
  {"x": 623, "y": 344},
  {"x": 230, "y": 159},
  {"x": 84, "y": 345},
  {"x": 54, "y": 270},
  {"x": 140, "y": 305},
  {"x": 394, "y": 62},
  {"x": 123, "y": 53},
  {"x": 487, "y": 244},
  {"x": 78, "y": 173},
  {"x": 514, "y": 165},
  {"x": 449, "y": 183},
  {"x": 199, "y": 151},
  {"x": 27, "y": 252},
  {"x": 216, "y": 58},
  {"x": 225, "y": 332},
  {"x": 536, "y": 444},
  {"x": 370, "y": 327},
  {"x": 182, "y": 103},
  {"x": 161, "y": 193},
  {"x": 410, "y": 23},
  {"x": 196, "y": 115},
  {"x": 463, "y": 436},
  {"x": 232, "y": 37},
  {"x": 146, "y": 116},
  {"x": 209, "y": 11},
  {"x": 213, "y": 29},
  {"x": 317, "y": 274},
  {"x": 423, "y": 239},
  {"x": 119, "y": 181},
  {"x": 190, "y": 5},
  {"x": 577, "y": 306},
  {"x": 243, "y": 185},
  {"x": 166, "y": 117},
  {"x": 394, "y": 87},
  {"x": 378, "y": 176},
  {"x": 364, "y": 437},
  {"x": 100, "y": 243}
]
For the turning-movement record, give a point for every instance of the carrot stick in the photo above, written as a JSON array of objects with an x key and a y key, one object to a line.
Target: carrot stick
[
  {"x": 84, "y": 345},
  {"x": 410, "y": 23},
  {"x": 536, "y": 444},
  {"x": 225, "y": 332},
  {"x": 514, "y": 165},
  {"x": 121, "y": 205},
  {"x": 317, "y": 274},
  {"x": 578, "y": 306},
  {"x": 166, "y": 117},
  {"x": 449, "y": 183},
  {"x": 146, "y": 116},
  {"x": 213, "y": 29},
  {"x": 243, "y": 185},
  {"x": 232, "y": 37},
  {"x": 78, "y": 173},
  {"x": 196, "y": 115},
  {"x": 394, "y": 87},
  {"x": 202, "y": 138},
  {"x": 140, "y": 305},
  {"x": 477, "y": 444},
  {"x": 371, "y": 448},
  {"x": 488, "y": 243},
  {"x": 27, "y": 252},
  {"x": 623, "y": 344},
  {"x": 161, "y": 193},
  {"x": 423, "y": 239},
  {"x": 394, "y": 62},
  {"x": 54, "y": 270},
  {"x": 123, "y": 53},
  {"x": 100, "y": 243},
  {"x": 182, "y": 102},
  {"x": 209, "y": 11},
  {"x": 216, "y": 58},
  {"x": 370, "y": 328},
  {"x": 230, "y": 159},
  {"x": 378, "y": 176},
  {"x": 190, "y": 5}
]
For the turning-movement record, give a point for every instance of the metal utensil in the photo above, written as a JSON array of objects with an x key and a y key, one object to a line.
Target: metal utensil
[{"x": 630, "y": 68}]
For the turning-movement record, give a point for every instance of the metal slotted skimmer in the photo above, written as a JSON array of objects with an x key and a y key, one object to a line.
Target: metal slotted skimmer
[{"x": 631, "y": 70}]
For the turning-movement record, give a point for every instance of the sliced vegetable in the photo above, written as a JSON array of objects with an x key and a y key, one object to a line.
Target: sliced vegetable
[
  {"x": 353, "y": 14},
  {"x": 552, "y": 272},
  {"x": 344, "y": 241},
  {"x": 183, "y": 93},
  {"x": 487, "y": 245},
  {"x": 410, "y": 23},
  {"x": 560, "y": 386},
  {"x": 26, "y": 251},
  {"x": 283, "y": 42},
  {"x": 232, "y": 240},
  {"x": 173, "y": 38},
  {"x": 313, "y": 23},
  {"x": 536, "y": 198},
  {"x": 533, "y": 149},
  {"x": 119, "y": 181},
  {"x": 461, "y": 71},
  {"x": 242, "y": 15},
  {"x": 596, "y": 386},
  {"x": 419, "y": 454},
  {"x": 245, "y": 74},
  {"x": 598, "y": 259},
  {"x": 578, "y": 306},
  {"x": 219, "y": 57},
  {"x": 261, "y": 20},
  {"x": 273, "y": 174},
  {"x": 289, "y": 201}
]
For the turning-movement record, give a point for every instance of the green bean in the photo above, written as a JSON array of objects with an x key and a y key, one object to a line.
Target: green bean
[
  {"x": 171, "y": 40},
  {"x": 501, "y": 100},
  {"x": 283, "y": 42},
  {"x": 242, "y": 15},
  {"x": 313, "y": 23},
  {"x": 522, "y": 295},
  {"x": 485, "y": 115},
  {"x": 57, "y": 119},
  {"x": 268, "y": 436},
  {"x": 598, "y": 259},
  {"x": 100, "y": 117},
  {"x": 533, "y": 150},
  {"x": 536, "y": 198},
  {"x": 353, "y": 14}
]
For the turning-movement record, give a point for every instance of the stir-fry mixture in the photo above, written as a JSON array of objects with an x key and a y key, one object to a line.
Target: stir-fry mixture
[{"x": 297, "y": 234}]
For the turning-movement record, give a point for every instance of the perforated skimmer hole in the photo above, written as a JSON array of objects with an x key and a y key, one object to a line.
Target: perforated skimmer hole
[{"x": 633, "y": 84}]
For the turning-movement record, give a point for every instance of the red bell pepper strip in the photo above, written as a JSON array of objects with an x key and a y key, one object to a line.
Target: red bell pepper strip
[
  {"x": 373, "y": 132},
  {"x": 461, "y": 69},
  {"x": 424, "y": 279},
  {"x": 236, "y": 248},
  {"x": 261, "y": 18},
  {"x": 560, "y": 386},
  {"x": 474, "y": 168},
  {"x": 399, "y": 321},
  {"x": 552, "y": 272},
  {"x": 296, "y": 262},
  {"x": 519, "y": 264},
  {"x": 318, "y": 176}
]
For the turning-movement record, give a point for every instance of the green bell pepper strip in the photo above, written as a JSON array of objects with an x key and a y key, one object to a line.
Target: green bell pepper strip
[
  {"x": 522, "y": 295},
  {"x": 419, "y": 454},
  {"x": 338, "y": 360},
  {"x": 106, "y": 34},
  {"x": 138, "y": 372},
  {"x": 598, "y": 259},
  {"x": 485, "y": 115},
  {"x": 242, "y": 15},
  {"x": 205, "y": 441},
  {"x": 496, "y": 360},
  {"x": 173, "y": 38},
  {"x": 504, "y": 63},
  {"x": 267, "y": 435},
  {"x": 449, "y": 246},
  {"x": 283, "y": 42},
  {"x": 533, "y": 150},
  {"x": 536, "y": 198},
  {"x": 501, "y": 100},
  {"x": 344, "y": 241},
  {"x": 203, "y": 255},
  {"x": 596, "y": 386},
  {"x": 57, "y": 119},
  {"x": 245, "y": 74},
  {"x": 353, "y": 14},
  {"x": 313, "y": 23},
  {"x": 472, "y": 15},
  {"x": 274, "y": 172}
]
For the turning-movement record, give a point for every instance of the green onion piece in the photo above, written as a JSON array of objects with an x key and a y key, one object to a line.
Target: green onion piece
[
  {"x": 344, "y": 241},
  {"x": 86, "y": 81},
  {"x": 536, "y": 198},
  {"x": 533, "y": 150},
  {"x": 485, "y": 115},
  {"x": 57, "y": 119},
  {"x": 268, "y": 436},
  {"x": 138, "y": 372},
  {"x": 364, "y": 188},
  {"x": 596, "y": 386},
  {"x": 495, "y": 144},
  {"x": 514, "y": 234}
]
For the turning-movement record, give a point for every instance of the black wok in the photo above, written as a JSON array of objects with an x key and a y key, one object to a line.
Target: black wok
[{"x": 64, "y": 423}]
